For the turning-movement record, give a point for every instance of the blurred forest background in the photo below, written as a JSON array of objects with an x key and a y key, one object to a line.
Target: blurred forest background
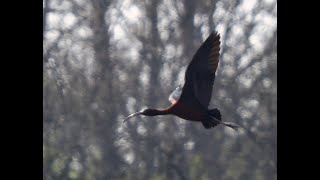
[{"x": 105, "y": 59}]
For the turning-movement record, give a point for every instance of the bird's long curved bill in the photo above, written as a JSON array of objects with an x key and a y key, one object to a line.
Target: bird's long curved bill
[{"x": 131, "y": 116}]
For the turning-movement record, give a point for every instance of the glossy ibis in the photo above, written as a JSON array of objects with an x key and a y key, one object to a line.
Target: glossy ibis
[{"x": 191, "y": 101}]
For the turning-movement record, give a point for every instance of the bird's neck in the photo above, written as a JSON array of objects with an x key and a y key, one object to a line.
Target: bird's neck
[{"x": 163, "y": 112}]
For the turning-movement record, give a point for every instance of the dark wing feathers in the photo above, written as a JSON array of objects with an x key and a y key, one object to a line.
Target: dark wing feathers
[
  {"x": 214, "y": 54},
  {"x": 200, "y": 74}
]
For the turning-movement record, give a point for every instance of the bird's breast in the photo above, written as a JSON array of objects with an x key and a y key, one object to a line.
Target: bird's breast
[{"x": 188, "y": 112}]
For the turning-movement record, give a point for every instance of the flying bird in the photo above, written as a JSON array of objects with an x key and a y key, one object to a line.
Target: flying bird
[{"x": 191, "y": 101}]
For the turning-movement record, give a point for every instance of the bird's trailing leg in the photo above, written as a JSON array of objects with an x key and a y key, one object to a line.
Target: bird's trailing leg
[
  {"x": 215, "y": 119},
  {"x": 228, "y": 124}
]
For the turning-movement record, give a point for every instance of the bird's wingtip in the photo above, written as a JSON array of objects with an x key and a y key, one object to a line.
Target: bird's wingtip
[{"x": 215, "y": 34}]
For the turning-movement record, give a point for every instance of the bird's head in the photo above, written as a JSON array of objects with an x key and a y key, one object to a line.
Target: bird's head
[{"x": 146, "y": 112}]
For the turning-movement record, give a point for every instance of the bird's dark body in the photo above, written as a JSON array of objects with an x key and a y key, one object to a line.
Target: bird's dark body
[
  {"x": 195, "y": 97},
  {"x": 188, "y": 111}
]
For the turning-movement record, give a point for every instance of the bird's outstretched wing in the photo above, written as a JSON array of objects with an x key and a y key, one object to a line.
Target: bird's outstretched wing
[{"x": 200, "y": 73}]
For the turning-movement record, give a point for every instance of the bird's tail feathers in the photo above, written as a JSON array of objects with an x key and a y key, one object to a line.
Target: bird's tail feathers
[
  {"x": 216, "y": 117},
  {"x": 215, "y": 113}
]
